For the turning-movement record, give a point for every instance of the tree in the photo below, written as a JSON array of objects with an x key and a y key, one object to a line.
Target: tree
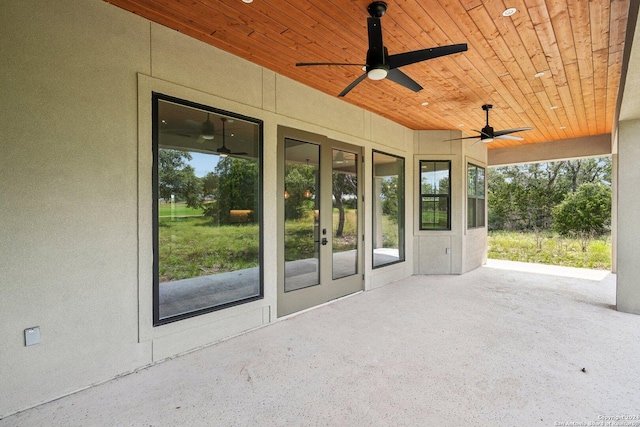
[
  {"x": 177, "y": 178},
  {"x": 582, "y": 171},
  {"x": 343, "y": 183},
  {"x": 209, "y": 184},
  {"x": 521, "y": 198},
  {"x": 300, "y": 182},
  {"x": 237, "y": 180},
  {"x": 584, "y": 214},
  {"x": 389, "y": 195}
]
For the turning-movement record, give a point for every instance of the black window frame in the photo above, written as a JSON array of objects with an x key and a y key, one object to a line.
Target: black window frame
[
  {"x": 422, "y": 196},
  {"x": 155, "y": 98},
  {"x": 401, "y": 210},
  {"x": 476, "y": 199}
]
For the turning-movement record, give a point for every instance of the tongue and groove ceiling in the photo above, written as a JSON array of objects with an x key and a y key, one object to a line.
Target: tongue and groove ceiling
[{"x": 577, "y": 44}]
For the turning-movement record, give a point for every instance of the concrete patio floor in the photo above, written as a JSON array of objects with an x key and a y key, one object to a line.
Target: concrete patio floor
[{"x": 494, "y": 347}]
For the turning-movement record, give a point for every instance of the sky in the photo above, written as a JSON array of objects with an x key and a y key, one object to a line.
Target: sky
[{"x": 203, "y": 163}]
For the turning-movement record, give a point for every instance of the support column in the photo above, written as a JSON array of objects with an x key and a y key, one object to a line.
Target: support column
[{"x": 628, "y": 219}]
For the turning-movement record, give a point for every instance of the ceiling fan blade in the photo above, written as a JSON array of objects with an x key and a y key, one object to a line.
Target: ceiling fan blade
[
  {"x": 402, "y": 59},
  {"x": 510, "y": 137},
  {"x": 504, "y": 132},
  {"x": 476, "y": 143},
  {"x": 402, "y": 79},
  {"x": 457, "y": 139},
  {"x": 310, "y": 64},
  {"x": 376, "y": 47},
  {"x": 353, "y": 84}
]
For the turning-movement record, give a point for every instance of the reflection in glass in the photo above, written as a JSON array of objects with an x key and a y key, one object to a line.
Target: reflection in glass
[
  {"x": 301, "y": 215},
  {"x": 345, "y": 213},
  {"x": 475, "y": 196},
  {"x": 207, "y": 240},
  {"x": 388, "y": 209},
  {"x": 435, "y": 195}
]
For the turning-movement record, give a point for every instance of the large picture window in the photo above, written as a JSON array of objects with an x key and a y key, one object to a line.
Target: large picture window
[
  {"x": 475, "y": 196},
  {"x": 435, "y": 195},
  {"x": 388, "y": 209},
  {"x": 207, "y": 209}
]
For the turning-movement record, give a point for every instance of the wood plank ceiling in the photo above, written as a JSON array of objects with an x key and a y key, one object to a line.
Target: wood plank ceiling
[{"x": 577, "y": 44}]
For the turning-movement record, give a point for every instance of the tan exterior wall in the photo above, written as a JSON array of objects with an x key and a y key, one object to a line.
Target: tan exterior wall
[
  {"x": 458, "y": 250},
  {"x": 627, "y": 224},
  {"x": 69, "y": 230},
  {"x": 593, "y": 146},
  {"x": 76, "y": 229}
]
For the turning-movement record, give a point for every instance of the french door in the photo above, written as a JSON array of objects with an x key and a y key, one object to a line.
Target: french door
[{"x": 321, "y": 221}]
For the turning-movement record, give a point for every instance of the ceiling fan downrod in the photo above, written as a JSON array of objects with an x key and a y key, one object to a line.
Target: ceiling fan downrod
[{"x": 486, "y": 135}]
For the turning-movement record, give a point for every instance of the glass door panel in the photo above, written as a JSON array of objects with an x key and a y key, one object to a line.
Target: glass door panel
[
  {"x": 301, "y": 215},
  {"x": 345, "y": 213},
  {"x": 321, "y": 220}
]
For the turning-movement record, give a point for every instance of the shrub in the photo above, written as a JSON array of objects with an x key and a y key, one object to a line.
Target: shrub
[{"x": 584, "y": 214}]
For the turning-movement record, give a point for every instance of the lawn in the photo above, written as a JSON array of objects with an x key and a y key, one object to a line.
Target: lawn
[
  {"x": 192, "y": 247},
  {"x": 549, "y": 249},
  {"x": 167, "y": 209},
  {"x": 299, "y": 238}
]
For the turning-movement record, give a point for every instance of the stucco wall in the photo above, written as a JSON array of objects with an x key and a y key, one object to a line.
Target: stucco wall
[
  {"x": 588, "y": 146},
  {"x": 627, "y": 224},
  {"x": 458, "y": 250},
  {"x": 68, "y": 232},
  {"x": 75, "y": 234}
]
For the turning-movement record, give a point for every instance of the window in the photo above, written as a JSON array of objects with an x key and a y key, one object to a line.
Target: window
[
  {"x": 435, "y": 195},
  {"x": 475, "y": 196},
  {"x": 207, "y": 209},
  {"x": 388, "y": 209}
]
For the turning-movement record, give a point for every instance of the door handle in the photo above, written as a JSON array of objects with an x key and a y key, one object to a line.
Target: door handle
[{"x": 324, "y": 241}]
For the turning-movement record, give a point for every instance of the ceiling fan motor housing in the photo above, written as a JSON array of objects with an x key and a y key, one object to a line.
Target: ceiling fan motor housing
[
  {"x": 377, "y": 9},
  {"x": 377, "y": 67},
  {"x": 487, "y": 134}
]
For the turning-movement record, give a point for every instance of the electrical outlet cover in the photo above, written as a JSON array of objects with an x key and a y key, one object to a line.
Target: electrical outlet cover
[{"x": 32, "y": 336}]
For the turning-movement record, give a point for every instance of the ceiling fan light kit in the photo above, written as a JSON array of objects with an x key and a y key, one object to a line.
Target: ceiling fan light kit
[
  {"x": 377, "y": 73},
  {"x": 207, "y": 129},
  {"x": 380, "y": 64}
]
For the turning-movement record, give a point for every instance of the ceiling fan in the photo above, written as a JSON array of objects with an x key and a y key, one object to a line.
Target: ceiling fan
[
  {"x": 224, "y": 151},
  {"x": 203, "y": 131},
  {"x": 488, "y": 134},
  {"x": 206, "y": 131},
  {"x": 380, "y": 64}
]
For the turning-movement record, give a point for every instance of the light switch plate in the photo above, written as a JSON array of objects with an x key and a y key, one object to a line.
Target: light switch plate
[{"x": 32, "y": 336}]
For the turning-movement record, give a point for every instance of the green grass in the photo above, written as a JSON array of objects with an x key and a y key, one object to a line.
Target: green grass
[
  {"x": 349, "y": 239},
  {"x": 192, "y": 247},
  {"x": 178, "y": 209},
  {"x": 549, "y": 249},
  {"x": 434, "y": 220},
  {"x": 389, "y": 232},
  {"x": 299, "y": 238}
]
